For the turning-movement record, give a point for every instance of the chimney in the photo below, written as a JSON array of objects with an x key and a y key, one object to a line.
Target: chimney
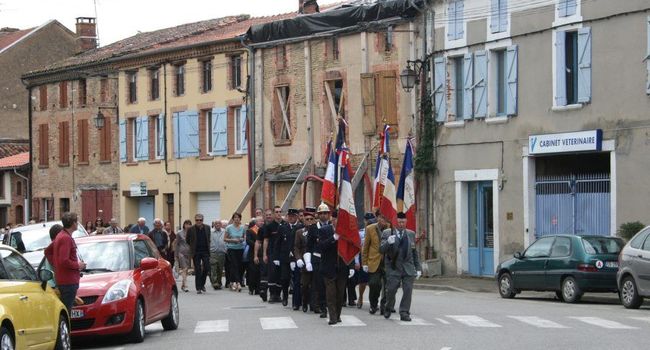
[
  {"x": 86, "y": 33},
  {"x": 309, "y": 7}
]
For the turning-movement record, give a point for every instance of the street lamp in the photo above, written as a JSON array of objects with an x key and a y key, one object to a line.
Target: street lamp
[
  {"x": 100, "y": 120},
  {"x": 408, "y": 78}
]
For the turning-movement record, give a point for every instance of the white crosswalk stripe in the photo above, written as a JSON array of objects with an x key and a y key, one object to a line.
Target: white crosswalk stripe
[
  {"x": 473, "y": 321},
  {"x": 415, "y": 321},
  {"x": 212, "y": 326},
  {"x": 443, "y": 321},
  {"x": 350, "y": 321},
  {"x": 603, "y": 323},
  {"x": 643, "y": 319},
  {"x": 537, "y": 322},
  {"x": 272, "y": 323}
]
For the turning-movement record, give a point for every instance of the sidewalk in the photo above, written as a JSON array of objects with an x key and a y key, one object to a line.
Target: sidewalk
[{"x": 457, "y": 284}]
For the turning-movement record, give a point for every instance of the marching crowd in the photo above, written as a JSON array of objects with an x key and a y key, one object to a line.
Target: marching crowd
[{"x": 275, "y": 256}]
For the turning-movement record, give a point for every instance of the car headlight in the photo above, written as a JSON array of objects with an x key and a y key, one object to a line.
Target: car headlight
[{"x": 118, "y": 291}]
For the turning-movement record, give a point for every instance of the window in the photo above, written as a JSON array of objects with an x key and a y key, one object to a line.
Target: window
[
  {"x": 459, "y": 93},
  {"x": 186, "y": 134},
  {"x": 133, "y": 88},
  {"x": 180, "y": 80},
  {"x": 281, "y": 122},
  {"x": 567, "y": 8},
  {"x": 388, "y": 39},
  {"x": 501, "y": 82},
  {"x": 334, "y": 95},
  {"x": 63, "y": 94},
  {"x": 235, "y": 66},
  {"x": 16, "y": 267},
  {"x": 155, "y": 84},
  {"x": 64, "y": 204},
  {"x": 541, "y": 248},
  {"x": 561, "y": 247},
  {"x": 82, "y": 92},
  {"x": 207, "y": 115},
  {"x": 103, "y": 90},
  {"x": 43, "y": 145},
  {"x": 241, "y": 142},
  {"x": 455, "y": 22},
  {"x": 64, "y": 143},
  {"x": 499, "y": 16},
  {"x": 335, "y": 47},
  {"x": 216, "y": 131},
  {"x": 140, "y": 140},
  {"x": 159, "y": 149},
  {"x": 140, "y": 251},
  {"x": 573, "y": 67},
  {"x": 639, "y": 238},
  {"x": 82, "y": 140},
  {"x": 105, "y": 146},
  {"x": 646, "y": 245},
  {"x": 42, "y": 94},
  {"x": 19, "y": 188},
  {"x": 207, "y": 75}
]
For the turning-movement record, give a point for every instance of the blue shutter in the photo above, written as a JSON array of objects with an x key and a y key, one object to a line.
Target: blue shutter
[
  {"x": 503, "y": 15},
  {"x": 480, "y": 84},
  {"x": 571, "y": 6},
  {"x": 219, "y": 132},
  {"x": 512, "y": 79},
  {"x": 562, "y": 8},
  {"x": 647, "y": 59},
  {"x": 584, "y": 65},
  {"x": 494, "y": 16},
  {"x": 161, "y": 137},
  {"x": 142, "y": 139},
  {"x": 451, "y": 20},
  {"x": 189, "y": 138},
  {"x": 440, "y": 89},
  {"x": 560, "y": 69},
  {"x": 468, "y": 87},
  {"x": 122, "y": 140},
  {"x": 460, "y": 5},
  {"x": 244, "y": 128}
]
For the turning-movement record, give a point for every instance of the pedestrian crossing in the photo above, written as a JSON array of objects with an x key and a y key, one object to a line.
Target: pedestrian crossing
[{"x": 469, "y": 321}]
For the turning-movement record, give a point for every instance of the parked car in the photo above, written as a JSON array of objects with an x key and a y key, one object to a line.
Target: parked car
[
  {"x": 31, "y": 240},
  {"x": 31, "y": 314},
  {"x": 567, "y": 264},
  {"x": 633, "y": 275},
  {"x": 125, "y": 286}
]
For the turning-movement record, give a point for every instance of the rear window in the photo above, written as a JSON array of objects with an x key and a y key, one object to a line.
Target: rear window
[{"x": 602, "y": 245}]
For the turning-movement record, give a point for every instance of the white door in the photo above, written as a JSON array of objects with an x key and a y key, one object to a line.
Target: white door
[
  {"x": 209, "y": 204},
  {"x": 146, "y": 209}
]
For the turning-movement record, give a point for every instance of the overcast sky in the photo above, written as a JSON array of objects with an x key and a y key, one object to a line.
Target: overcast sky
[{"x": 119, "y": 19}]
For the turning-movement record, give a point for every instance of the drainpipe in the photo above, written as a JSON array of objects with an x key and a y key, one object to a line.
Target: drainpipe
[
  {"x": 180, "y": 202},
  {"x": 250, "y": 110},
  {"x": 28, "y": 208}
]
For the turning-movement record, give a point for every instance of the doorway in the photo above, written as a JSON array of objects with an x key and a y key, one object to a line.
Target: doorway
[
  {"x": 146, "y": 208},
  {"x": 480, "y": 228}
]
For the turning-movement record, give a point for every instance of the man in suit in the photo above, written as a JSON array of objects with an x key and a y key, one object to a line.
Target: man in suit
[
  {"x": 141, "y": 227},
  {"x": 373, "y": 262},
  {"x": 284, "y": 253},
  {"x": 198, "y": 238},
  {"x": 402, "y": 266},
  {"x": 300, "y": 250}
]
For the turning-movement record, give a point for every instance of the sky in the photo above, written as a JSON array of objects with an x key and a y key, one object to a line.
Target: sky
[{"x": 119, "y": 19}]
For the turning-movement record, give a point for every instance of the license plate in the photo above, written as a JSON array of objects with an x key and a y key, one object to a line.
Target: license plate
[
  {"x": 611, "y": 264},
  {"x": 77, "y": 313}
]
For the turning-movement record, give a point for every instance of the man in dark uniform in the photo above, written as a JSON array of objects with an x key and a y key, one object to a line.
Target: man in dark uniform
[
  {"x": 284, "y": 248},
  {"x": 273, "y": 239},
  {"x": 261, "y": 257},
  {"x": 312, "y": 259},
  {"x": 300, "y": 249}
]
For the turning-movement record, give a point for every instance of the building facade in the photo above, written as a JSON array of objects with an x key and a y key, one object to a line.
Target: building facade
[
  {"x": 542, "y": 112},
  {"x": 14, "y": 182}
]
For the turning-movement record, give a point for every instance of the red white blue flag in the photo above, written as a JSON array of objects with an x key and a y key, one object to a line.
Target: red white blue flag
[
  {"x": 384, "y": 197},
  {"x": 328, "y": 194},
  {"x": 406, "y": 188},
  {"x": 349, "y": 243}
]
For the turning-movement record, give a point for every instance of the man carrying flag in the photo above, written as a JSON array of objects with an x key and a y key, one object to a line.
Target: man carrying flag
[
  {"x": 384, "y": 195},
  {"x": 406, "y": 188}
]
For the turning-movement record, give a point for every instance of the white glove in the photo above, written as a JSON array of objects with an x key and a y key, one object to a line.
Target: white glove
[
  {"x": 336, "y": 236},
  {"x": 351, "y": 273},
  {"x": 300, "y": 263},
  {"x": 276, "y": 262},
  {"x": 418, "y": 274},
  {"x": 292, "y": 265},
  {"x": 391, "y": 239},
  {"x": 365, "y": 268},
  {"x": 309, "y": 267},
  {"x": 307, "y": 257}
]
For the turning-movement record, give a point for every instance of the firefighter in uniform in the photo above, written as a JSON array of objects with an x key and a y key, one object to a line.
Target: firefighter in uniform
[
  {"x": 261, "y": 253},
  {"x": 300, "y": 248},
  {"x": 273, "y": 236},
  {"x": 284, "y": 248}
]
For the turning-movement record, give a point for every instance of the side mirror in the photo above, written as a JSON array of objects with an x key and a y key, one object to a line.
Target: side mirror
[
  {"x": 148, "y": 263},
  {"x": 45, "y": 275},
  {"x": 518, "y": 255}
]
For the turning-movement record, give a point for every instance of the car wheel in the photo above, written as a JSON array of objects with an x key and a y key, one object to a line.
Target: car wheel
[
  {"x": 137, "y": 332},
  {"x": 630, "y": 297},
  {"x": 6, "y": 339},
  {"x": 170, "y": 322},
  {"x": 559, "y": 295},
  {"x": 63, "y": 336},
  {"x": 571, "y": 292},
  {"x": 506, "y": 289}
]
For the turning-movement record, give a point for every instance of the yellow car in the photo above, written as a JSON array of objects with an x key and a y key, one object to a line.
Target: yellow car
[{"x": 31, "y": 315}]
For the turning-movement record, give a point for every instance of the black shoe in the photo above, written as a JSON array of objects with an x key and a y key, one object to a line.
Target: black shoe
[
  {"x": 199, "y": 292},
  {"x": 373, "y": 310},
  {"x": 304, "y": 308},
  {"x": 392, "y": 310},
  {"x": 387, "y": 314},
  {"x": 352, "y": 303},
  {"x": 338, "y": 320},
  {"x": 285, "y": 302},
  {"x": 323, "y": 314},
  {"x": 295, "y": 308},
  {"x": 204, "y": 291},
  {"x": 250, "y": 292},
  {"x": 263, "y": 296},
  {"x": 316, "y": 311},
  {"x": 405, "y": 318},
  {"x": 331, "y": 322},
  {"x": 382, "y": 310}
]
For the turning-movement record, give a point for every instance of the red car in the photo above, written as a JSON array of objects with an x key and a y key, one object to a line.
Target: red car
[{"x": 126, "y": 285}]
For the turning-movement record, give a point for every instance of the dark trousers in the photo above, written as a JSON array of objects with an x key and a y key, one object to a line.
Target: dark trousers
[
  {"x": 318, "y": 297},
  {"x": 335, "y": 289},
  {"x": 253, "y": 277},
  {"x": 351, "y": 289},
  {"x": 377, "y": 283},
  {"x": 68, "y": 294},
  {"x": 392, "y": 284},
  {"x": 296, "y": 300},
  {"x": 235, "y": 257},
  {"x": 264, "y": 279},
  {"x": 227, "y": 269},
  {"x": 201, "y": 269},
  {"x": 275, "y": 283}
]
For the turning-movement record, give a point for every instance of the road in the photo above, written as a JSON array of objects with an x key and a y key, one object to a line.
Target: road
[{"x": 441, "y": 320}]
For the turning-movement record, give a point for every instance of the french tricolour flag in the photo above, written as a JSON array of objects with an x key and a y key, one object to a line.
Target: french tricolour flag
[
  {"x": 349, "y": 243},
  {"x": 406, "y": 188},
  {"x": 384, "y": 197},
  {"x": 328, "y": 194}
]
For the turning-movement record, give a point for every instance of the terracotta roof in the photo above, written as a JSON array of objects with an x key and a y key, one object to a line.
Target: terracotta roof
[
  {"x": 15, "y": 161},
  {"x": 9, "y": 37},
  {"x": 11, "y": 148}
]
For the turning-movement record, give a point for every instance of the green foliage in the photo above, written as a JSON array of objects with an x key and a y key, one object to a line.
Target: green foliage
[
  {"x": 629, "y": 229},
  {"x": 424, "y": 158}
]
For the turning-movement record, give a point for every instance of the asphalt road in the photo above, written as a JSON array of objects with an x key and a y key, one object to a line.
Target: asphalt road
[{"x": 441, "y": 320}]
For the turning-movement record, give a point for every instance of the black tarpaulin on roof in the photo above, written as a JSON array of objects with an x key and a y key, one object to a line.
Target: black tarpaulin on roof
[{"x": 345, "y": 17}]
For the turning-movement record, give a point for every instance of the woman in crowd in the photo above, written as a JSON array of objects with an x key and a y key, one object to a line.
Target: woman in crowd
[
  {"x": 90, "y": 227},
  {"x": 234, "y": 239},
  {"x": 182, "y": 253},
  {"x": 171, "y": 237}
]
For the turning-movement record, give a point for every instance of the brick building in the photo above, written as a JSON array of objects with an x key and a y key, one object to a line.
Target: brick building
[{"x": 14, "y": 181}]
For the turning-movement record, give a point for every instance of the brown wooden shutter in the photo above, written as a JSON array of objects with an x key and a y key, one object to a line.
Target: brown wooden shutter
[
  {"x": 43, "y": 146},
  {"x": 368, "y": 103},
  {"x": 386, "y": 97},
  {"x": 230, "y": 129},
  {"x": 83, "y": 140},
  {"x": 43, "y": 97},
  {"x": 63, "y": 94},
  {"x": 105, "y": 143},
  {"x": 64, "y": 143}
]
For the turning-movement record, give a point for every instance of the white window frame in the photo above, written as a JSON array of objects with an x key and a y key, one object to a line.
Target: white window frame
[
  {"x": 236, "y": 112},
  {"x": 452, "y": 87},
  {"x": 561, "y": 21},
  {"x": 492, "y": 49},
  {"x": 134, "y": 139},
  {"x": 456, "y": 43},
  {"x": 499, "y": 35},
  {"x": 208, "y": 131},
  {"x": 159, "y": 153},
  {"x": 557, "y": 107}
]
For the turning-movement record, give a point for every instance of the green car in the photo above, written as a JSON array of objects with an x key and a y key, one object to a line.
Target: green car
[{"x": 567, "y": 264}]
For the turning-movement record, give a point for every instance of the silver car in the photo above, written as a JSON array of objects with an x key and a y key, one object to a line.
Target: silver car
[{"x": 633, "y": 275}]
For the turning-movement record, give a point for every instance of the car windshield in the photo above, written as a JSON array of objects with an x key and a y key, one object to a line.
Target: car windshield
[
  {"x": 602, "y": 245},
  {"x": 105, "y": 256},
  {"x": 33, "y": 240}
]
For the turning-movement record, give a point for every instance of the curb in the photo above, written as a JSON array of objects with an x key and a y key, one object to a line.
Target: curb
[{"x": 442, "y": 287}]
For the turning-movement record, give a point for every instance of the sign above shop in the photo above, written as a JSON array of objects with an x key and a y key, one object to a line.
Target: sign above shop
[
  {"x": 138, "y": 189},
  {"x": 579, "y": 141}
]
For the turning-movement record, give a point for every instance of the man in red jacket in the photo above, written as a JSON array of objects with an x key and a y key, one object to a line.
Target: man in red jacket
[{"x": 67, "y": 267}]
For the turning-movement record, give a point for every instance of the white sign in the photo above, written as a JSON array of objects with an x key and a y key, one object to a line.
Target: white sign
[
  {"x": 138, "y": 189},
  {"x": 580, "y": 141}
]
